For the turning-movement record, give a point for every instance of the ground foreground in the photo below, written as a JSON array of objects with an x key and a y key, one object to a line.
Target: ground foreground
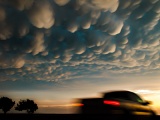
[{"x": 72, "y": 117}]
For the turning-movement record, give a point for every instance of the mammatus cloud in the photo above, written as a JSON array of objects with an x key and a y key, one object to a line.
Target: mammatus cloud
[
  {"x": 41, "y": 14},
  {"x": 61, "y": 2},
  {"x": 56, "y": 40}
]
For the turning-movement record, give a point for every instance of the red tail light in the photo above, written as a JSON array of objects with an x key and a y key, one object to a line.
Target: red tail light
[
  {"x": 81, "y": 105},
  {"x": 111, "y": 102}
]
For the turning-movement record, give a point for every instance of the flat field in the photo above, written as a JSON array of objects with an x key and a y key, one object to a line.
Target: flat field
[{"x": 71, "y": 117}]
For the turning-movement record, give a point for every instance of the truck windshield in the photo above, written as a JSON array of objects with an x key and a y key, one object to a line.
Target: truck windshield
[{"x": 120, "y": 95}]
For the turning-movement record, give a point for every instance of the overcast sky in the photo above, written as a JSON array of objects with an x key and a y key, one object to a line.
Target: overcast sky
[{"x": 55, "y": 50}]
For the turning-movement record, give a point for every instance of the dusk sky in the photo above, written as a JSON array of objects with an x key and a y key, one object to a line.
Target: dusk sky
[{"x": 53, "y": 51}]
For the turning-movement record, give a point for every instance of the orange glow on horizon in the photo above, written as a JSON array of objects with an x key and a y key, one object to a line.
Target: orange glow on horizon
[{"x": 63, "y": 105}]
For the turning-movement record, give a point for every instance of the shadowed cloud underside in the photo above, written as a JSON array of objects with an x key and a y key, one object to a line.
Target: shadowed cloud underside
[{"x": 57, "y": 40}]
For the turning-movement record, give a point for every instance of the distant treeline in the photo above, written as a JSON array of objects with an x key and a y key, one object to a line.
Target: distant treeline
[{"x": 29, "y": 105}]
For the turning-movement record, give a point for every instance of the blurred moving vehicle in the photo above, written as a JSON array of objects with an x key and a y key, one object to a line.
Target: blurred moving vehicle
[{"x": 116, "y": 102}]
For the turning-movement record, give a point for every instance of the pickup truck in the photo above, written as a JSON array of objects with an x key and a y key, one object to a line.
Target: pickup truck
[{"x": 116, "y": 102}]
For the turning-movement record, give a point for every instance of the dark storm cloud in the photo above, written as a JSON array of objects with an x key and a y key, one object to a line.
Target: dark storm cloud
[{"x": 56, "y": 40}]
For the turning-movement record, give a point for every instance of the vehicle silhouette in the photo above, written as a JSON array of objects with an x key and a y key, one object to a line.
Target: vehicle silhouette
[{"x": 116, "y": 103}]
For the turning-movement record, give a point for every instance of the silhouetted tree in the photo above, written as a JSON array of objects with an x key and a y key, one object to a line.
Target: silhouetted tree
[
  {"x": 28, "y": 105},
  {"x": 6, "y": 104}
]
